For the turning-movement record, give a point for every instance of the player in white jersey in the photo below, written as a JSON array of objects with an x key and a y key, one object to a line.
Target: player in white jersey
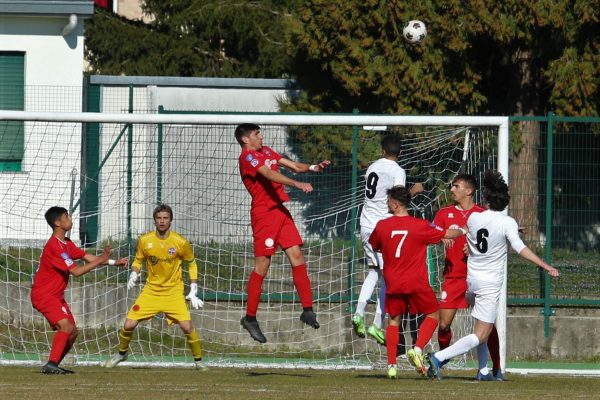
[
  {"x": 381, "y": 176},
  {"x": 486, "y": 239}
]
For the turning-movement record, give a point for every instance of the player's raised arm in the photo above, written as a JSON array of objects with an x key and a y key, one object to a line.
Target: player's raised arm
[
  {"x": 278, "y": 177},
  {"x": 299, "y": 167}
]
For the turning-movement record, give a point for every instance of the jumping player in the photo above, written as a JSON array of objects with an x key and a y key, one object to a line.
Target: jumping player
[
  {"x": 381, "y": 176},
  {"x": 272, "y": 223}
]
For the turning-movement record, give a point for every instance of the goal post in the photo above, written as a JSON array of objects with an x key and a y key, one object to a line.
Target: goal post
[{"x": 190, "y": 162}]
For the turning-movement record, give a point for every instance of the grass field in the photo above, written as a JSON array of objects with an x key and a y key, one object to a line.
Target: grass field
[{"x": 91, "y": 383}]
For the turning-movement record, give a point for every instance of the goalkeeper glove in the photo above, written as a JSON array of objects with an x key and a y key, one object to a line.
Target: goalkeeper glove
[
  {"x": 132, "y": 279},
  {"x": 196, "y": 302}
]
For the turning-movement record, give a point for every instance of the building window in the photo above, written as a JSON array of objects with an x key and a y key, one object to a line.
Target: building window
[{"x": 12, "y": 97}]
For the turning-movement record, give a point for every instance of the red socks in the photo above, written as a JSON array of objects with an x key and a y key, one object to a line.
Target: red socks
[
  {"x": 391, "y": 342},
  {"x": 302, "y": 283},
  {"x": 59, "y": 343},
  {"x": 426, "y": 332},
  {"x": 254, "y": 292},
  {"x": 444, "y": 338}
]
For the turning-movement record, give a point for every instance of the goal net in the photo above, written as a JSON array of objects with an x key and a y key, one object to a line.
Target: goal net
[{"x": 111, "y": 170}]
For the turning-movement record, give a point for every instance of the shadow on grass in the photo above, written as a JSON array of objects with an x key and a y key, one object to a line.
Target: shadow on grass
[{"x": 259, "y": 374}]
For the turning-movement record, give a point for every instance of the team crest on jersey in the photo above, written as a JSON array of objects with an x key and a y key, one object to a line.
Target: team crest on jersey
[
  {"x": 267, "y": 152},
  {"x": 171, "y": 251},
  {"x": 254, "y": 162}
]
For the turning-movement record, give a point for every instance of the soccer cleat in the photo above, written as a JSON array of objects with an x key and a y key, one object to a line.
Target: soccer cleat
[
  {"x": 310, "y": 318},
  {"x": 377, "y": 334},
  {"x": 416, "y": 360},
  {"x": 52, "y": 369},
  {"x": 435, "y": 367},
  {"x": 67, "y": 371},
  {"x": 484, "y": 378},
  {"x": 358, "y": 324},
  {"x": 392, "y": 371},
  {"x": 254, "y": 330},
  {"x": 200, "y": 366},
  {"x": 114, "y": 360},
  {"x": 498, "y": 376}
]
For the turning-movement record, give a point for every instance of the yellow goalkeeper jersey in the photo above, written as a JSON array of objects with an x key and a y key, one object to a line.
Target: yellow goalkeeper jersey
[{"x": 163, "y": 259}]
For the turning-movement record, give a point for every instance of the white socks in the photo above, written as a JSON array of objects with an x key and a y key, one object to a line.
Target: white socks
[
  {"x": 459, "y": 347},
  {"x": 366, "y": 291}
]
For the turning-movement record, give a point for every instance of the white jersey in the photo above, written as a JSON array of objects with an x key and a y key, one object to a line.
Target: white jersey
[
  {"x": 382, "y": 175},
  {"x": 488, "y": 232}
]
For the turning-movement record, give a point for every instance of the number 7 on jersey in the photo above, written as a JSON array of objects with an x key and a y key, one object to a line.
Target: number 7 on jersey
[{"x": 404, "y": 234}]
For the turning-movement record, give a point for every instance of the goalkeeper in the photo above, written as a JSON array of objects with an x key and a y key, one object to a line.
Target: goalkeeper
[{"x": 163, "y": 251}]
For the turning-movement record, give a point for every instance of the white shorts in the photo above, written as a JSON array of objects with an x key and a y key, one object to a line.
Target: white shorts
[
  {"x": 374, "y": 259},
  {"x": 484, "y": 297}
]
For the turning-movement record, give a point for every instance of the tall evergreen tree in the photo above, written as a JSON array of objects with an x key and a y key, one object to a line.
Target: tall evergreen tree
[
  {"x": 210, "y": 38},
  {"x": 484, "y": 57}
]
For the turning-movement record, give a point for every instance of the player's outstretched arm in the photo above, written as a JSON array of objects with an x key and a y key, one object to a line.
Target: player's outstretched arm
[
  {"x": 284, "y": 180},
  {"x": 529, "y": 255},
  {"x": 299, "y": 167},
  {"x": 92, "y": 262}
]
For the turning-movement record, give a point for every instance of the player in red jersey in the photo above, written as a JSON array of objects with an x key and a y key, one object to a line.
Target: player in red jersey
[
  {"x": 402, "y": 240},
  {"x": 272, "y": 223},
  {"x": 454, "y": 287},
  {"x": 57, "y": 263}
]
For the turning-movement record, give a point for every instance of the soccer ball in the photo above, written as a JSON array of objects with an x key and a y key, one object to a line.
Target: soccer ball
[{"x": 414, "y": 31}]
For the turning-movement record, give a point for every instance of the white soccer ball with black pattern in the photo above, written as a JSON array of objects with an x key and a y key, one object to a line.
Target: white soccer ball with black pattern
[{"x": 414, "y": 31}]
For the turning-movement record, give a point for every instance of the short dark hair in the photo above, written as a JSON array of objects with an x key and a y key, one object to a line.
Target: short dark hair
[
  {"x": 495, "y": 190},
  {"x": 53, "y": 214},
  {"x": 400, "y": 194},
  {"x": 391, "y": 144},
  {"x": 244, "y": 130},
  {"x": 161, "y": 208},
  {"x": 468, "y": 179}
]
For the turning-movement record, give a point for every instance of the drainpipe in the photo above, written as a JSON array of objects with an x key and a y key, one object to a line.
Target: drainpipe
[{"x": 68, "y": 28}]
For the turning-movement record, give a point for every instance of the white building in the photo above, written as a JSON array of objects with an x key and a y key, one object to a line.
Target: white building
[{"x": 41, "y": 69}]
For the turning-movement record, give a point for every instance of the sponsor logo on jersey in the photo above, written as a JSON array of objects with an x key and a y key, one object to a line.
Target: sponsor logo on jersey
[
  {"x": 149, "y": 246},
  {"x": 450, "y": 215},
  {"x": 435, "y": 226},
  {"x": 249, "y": 157},
  {"x": 68, "y": 261},
  {"x": 267, "y": 152},
  {"x": 454, "y": 226},
  {"x": 254, "y": 162},
  {"x": 171, "y": 250},
  {"x": 269, "y": 162},
  {"x": 64, "y": 310}
]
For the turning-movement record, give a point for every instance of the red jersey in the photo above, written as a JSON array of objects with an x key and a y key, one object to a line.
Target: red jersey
[
  {"x": 403, "y": 242},
  {"x": 265, "y": 193},
  {"x": 52, "y": 276},
  {"x": 453, "y": 217}
]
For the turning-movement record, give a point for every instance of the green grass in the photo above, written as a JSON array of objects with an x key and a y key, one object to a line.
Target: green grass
[{"x": 95, "y": 383}]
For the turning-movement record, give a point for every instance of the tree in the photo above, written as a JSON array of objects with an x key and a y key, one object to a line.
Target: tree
[
  {"x": 513, "y": 57},
  {"x": 211, "y": 38}
]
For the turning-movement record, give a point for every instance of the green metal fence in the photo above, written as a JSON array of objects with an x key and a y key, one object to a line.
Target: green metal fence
[{"x": 555, "y": 181}]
